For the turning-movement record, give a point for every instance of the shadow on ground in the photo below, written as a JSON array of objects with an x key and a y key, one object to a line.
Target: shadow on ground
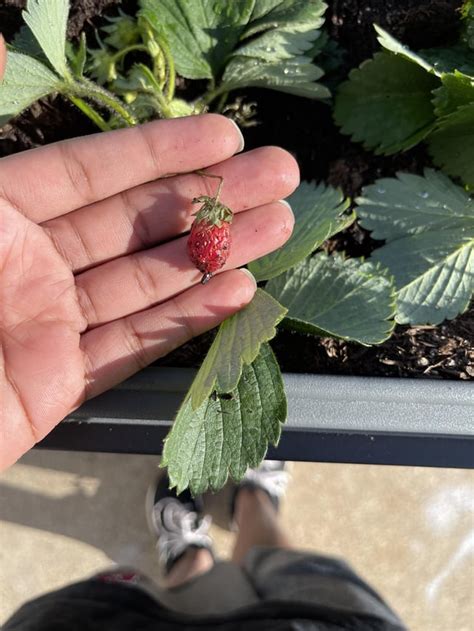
[{"x": 84, "y": 497}]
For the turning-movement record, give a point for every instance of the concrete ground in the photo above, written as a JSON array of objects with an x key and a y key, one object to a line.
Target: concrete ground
[{"x": 408, "y": 531}]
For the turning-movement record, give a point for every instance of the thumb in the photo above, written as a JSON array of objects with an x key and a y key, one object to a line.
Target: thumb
[{"x": 3, "y": 56}]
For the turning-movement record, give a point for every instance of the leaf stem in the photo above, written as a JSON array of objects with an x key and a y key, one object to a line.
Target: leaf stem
[
  {"x": 90, "y": 112},
  {"x": 129, "y": 49},
  {"x": 222, "y": 102},
  {"x": 171, "y": 71},
  {"x": 210, "y": 95},
  {"x": 163, "y": 103},
  {"x": 88, "y": 89},
  {"x": 217, "y": 177}
]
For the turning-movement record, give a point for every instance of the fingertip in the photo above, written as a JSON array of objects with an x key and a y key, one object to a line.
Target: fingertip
[
  {"x": 240, "y": 135},
  {"x": 250, "y": 276},
  {"x": 227, "y": 131},
  {"x": 287, "y": 219},
  {"x": 285, "y": 167},
  {"x": 235, "y": 288}
]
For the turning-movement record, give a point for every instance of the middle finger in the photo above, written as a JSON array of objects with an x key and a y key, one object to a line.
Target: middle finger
[
  {"x": 158, "y": 211},
  {"x": 138, "y": 281}
]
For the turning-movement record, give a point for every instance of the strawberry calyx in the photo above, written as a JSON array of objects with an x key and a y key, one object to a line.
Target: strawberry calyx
[{"x": 212, "y": 211}]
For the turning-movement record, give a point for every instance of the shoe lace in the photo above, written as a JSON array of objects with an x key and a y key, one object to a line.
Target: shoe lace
[
  {"x": 179, "y": 528},
  {"x": 270, "y": 477}
]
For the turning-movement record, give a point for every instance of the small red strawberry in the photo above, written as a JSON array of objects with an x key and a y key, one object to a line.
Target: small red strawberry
[{"x": 209, "y": 241}]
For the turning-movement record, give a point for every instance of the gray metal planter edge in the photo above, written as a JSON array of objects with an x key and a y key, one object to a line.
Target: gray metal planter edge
[{"x": 331, "y": 419}]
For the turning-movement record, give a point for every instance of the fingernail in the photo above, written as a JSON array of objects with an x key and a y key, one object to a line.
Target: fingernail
[
  {"x": 285, "y": 203},
  {"x": 242, "y": 141},
  {"x": 249, "y": 274}
]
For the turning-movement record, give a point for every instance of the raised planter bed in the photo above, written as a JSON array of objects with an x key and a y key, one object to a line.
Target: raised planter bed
[{"x": 331, "y": 419}]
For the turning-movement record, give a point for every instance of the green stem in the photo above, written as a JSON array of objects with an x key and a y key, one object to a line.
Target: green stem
[
  {"x": 212, "y": 94},
  {"x": 128, "y": 49},
  {"x": 88, "y": 89},
  {"x": 222, "y": 102},
  {"x": 159, "y": 68},
  {"x": 163, "y": 103},
  {"x": 171, "y": 83},
  {"x": 89, "y": 112}
]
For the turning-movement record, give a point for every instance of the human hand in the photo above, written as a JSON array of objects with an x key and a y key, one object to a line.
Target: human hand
[{"x": 95, "y": 280}]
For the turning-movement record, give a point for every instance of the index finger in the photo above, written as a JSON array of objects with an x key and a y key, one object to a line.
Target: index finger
[{"x": 53, "y": 180}]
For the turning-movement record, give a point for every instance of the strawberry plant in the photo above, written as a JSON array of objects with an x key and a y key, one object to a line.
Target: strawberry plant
[
  {"x": 428, "y": 227},
  {"x": 400, "y": 98},
  {"x": 130, "y": 75},
  {"x": 236, "y": 405}
]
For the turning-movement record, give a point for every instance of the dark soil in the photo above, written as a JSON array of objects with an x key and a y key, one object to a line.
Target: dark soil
[{"x": 306, "y": 129}]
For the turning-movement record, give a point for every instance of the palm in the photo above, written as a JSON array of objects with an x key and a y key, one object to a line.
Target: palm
[
  {"x": 95, "y": 280},
  {"x": 40, "y": 324}
]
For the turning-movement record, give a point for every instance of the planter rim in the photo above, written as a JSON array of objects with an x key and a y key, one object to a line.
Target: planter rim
[{"x": 331, "y": 418}]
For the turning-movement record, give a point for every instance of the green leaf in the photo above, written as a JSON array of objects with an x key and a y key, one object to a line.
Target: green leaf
[
  {"x": 292, "y": 29},
  {"x": 26, "y": 80},
  {"x": 204, "y": 37},
  {"x": 237, "y": 343},
  {"x": 386, "y": 104},
  {"x": 456, "y": 57},
  {"x": 226, "y": 435},
  {"x": 434, "y": 273},
  {"x": 391, "y": 44},
  {"x": 123, "y": 31},
  {"x": 25, "y": 42},
  {"x": 278, "y": 45},
  {"x": 290, "y": 15},
  {"x": 428, "y": 223},
  {"x": 319, "y": 214},
  {"x": 452, "y": 144},
  {"x": 102, "y": 65},
  {"x": 457, "y": 89},
  {"x": 180, "y": 107},
  {"x": 77, "y": 55},
  {"x": 201, "y": 33},
  {"x": 335, "y": 297},
  {"x": 468, "y": 17},
  {"x": 295, "y": 76},
  {"x": 47, "y": 20},
  {"x": 409, "y": 204}
]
